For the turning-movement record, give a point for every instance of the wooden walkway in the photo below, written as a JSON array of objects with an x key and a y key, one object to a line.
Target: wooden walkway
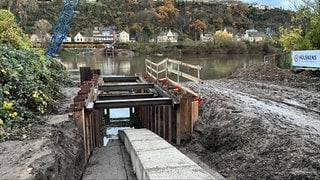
[{"x": 109, "y": 162}]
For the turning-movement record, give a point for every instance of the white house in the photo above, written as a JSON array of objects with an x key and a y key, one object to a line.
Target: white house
[
  {"x": 104, "y": 35},
  {"x": 206, "y": 37},
  {"x": 252, "y": 35},
  {"x": 124, "y": 36},
  {"x": 79, "y": 38},
  {"x": 167, "y": 36}
]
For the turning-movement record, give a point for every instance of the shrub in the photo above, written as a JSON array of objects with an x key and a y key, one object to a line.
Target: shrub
[{"x": 29, "y": 85}]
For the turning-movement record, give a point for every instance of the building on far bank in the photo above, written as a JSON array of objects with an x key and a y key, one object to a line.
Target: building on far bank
[
  {"x": 104, "y": 35},
  {"x": 167, "y": 36},
  {"x": 79, "y": 37},
  {"x": 206, "y": 37},
  {"x": 252, "y": 35},
  {"x": 124, "y": 37}
]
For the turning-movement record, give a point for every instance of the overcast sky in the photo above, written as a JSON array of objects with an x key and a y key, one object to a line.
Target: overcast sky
[{"x": 285, "y": 4}]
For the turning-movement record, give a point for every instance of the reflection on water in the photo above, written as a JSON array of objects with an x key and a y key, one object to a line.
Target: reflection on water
[{"x": 214, "y": 66}]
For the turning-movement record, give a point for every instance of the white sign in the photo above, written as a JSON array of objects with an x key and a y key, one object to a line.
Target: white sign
[{"x": 310, "y": 58}]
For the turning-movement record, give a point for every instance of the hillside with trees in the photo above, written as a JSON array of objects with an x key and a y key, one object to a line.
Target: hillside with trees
[{"x": 146, "y": 18}]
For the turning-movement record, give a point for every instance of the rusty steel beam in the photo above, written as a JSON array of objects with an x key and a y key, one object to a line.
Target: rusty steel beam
[
  {"x": 121, "y": 79},
  {"x": 132, "y": 102},
  {"x": 125, "y": 96},
  {"x": 125, "y": 87}
]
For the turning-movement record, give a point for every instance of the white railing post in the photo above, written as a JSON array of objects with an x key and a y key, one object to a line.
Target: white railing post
[
  {"x": 157, "y": 71},
  {"x": 178, "y": 77},
  {"x": 166, "y": 68},
  {"x": 199, "y": 68}
]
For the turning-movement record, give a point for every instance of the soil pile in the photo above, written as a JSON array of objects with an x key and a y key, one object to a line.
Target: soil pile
[
  {"x": 261, "y": 123},
  {"x": 51, "y": 150}
]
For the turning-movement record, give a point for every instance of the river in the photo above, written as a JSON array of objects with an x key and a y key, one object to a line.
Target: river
[{"x": 214, "y": 66}]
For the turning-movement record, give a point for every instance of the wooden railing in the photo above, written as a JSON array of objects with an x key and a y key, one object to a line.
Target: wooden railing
[{"x": 165, "y": 67}]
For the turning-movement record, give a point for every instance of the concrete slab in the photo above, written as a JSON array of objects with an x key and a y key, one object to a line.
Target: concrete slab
[
  {"x": 154, "y": 158},
  {"x": 184, "y": 172}
]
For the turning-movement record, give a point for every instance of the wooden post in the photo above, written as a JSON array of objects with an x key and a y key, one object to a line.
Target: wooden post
[
  {"x": 195, "y": 114},
  {"x": 155, "y": 120},
  {"x": 164, "y": 121},
  {"x": 159, "y": 121},
  {"x": 98, "y": 122},
  {"x": 185, "y": 118},
  {"x": 86, "y": 156},
  {"x": 178, "y": 125},
  {"x": 85, "y": 74},
  {"x": 170, "y": 123}
]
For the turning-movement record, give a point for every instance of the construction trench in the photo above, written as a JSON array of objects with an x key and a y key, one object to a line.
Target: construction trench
[{"x": 163, "y": 107}]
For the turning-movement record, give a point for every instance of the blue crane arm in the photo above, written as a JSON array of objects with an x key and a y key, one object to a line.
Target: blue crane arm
[{"x": 61, "y": 27}]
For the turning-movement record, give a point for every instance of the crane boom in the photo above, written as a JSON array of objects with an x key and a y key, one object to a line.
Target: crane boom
[{"x": 61, "y": 27}]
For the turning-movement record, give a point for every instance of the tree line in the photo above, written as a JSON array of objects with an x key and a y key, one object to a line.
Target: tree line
[{"x": 146, "y": 18}]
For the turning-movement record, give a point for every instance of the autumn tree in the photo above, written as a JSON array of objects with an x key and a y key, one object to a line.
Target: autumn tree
[
  {"x": 198, "y": 26},
  {"x": 222, "y": 37},
  {"x": 166, "y": 14}
]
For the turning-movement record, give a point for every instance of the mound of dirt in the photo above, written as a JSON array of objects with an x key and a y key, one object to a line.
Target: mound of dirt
[
  {"x": 260, "y": 123},
  {"x": 271, "y": 73},
  {"x": 50, "y": 150}
]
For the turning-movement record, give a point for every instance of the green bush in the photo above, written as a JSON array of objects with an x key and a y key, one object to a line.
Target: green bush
[{"x": 29, "y": 85}]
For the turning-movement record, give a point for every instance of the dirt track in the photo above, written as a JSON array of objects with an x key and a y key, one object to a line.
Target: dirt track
[
  {"x": 50, "y": 150},
  {"x": 261, "y": 123}
]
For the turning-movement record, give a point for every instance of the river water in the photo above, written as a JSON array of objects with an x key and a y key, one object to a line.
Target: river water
[{"x": 214, "y": 66}]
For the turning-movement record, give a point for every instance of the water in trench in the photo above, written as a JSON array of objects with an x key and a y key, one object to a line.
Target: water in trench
[{"x": 118, "y": 119}]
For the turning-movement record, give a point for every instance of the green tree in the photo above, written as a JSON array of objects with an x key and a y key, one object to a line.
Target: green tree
[
  {"x": 146, "y": 33},
  {"x": 307, "y": 35},
  {"x": 291, "y": 39},
  {"x": 10, "y": 33}
]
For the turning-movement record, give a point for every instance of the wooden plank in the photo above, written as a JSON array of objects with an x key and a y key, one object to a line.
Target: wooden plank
[
  {"x": 178, "y": 125},
  {"x": 183, "y": 64},
  {"x": 182, "y": 74}
]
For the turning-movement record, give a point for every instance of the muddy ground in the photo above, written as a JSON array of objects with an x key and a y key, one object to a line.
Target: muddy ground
[
  {"x": 52, "y": 149},
  {"x": 260, "y": 123}
]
